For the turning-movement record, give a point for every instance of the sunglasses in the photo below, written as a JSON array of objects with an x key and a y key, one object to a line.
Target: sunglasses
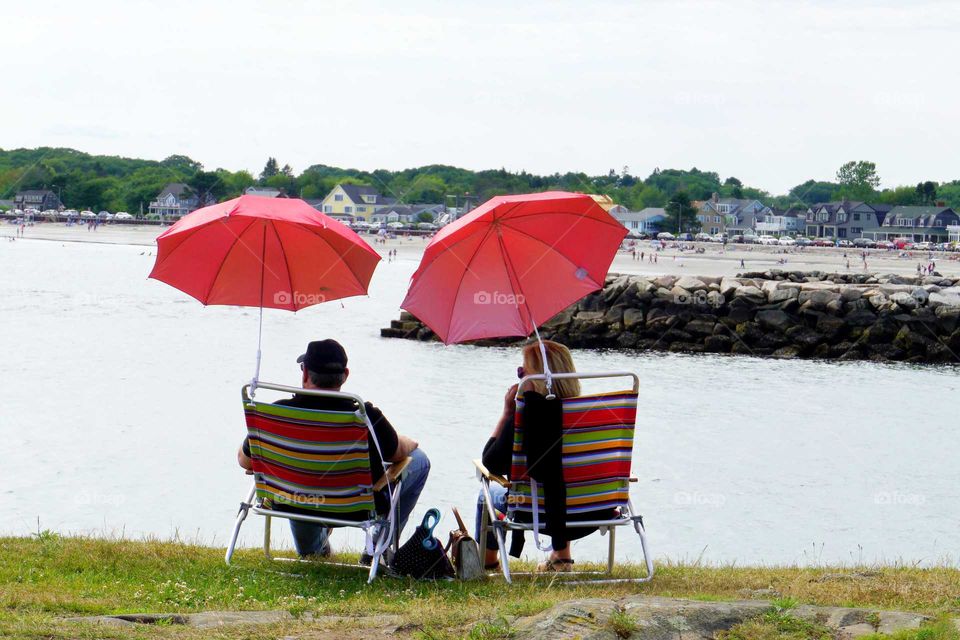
[{"x": 521, "y": 373}]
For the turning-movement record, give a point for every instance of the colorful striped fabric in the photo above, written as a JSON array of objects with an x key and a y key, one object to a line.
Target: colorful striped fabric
[
  {"x": 313, "y": 460},
  {"x": 597, "y": 448}
]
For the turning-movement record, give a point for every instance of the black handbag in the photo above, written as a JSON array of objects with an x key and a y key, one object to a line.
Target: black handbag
[{"x": 422, "y": 556}]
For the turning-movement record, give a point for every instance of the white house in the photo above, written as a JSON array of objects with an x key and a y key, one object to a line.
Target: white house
[{"x": 636, "y": 222}]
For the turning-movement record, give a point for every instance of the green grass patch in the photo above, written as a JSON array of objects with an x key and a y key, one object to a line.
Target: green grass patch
[{"x": 46, "y": 577}]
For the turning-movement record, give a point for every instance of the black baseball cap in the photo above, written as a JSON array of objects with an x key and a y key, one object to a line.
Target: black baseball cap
[{"x": 324, "y": 356}]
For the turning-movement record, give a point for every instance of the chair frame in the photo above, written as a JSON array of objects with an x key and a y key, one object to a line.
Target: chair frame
[
  {"x": 380, "y": 530},
  {"x": 629, "y": 517}
]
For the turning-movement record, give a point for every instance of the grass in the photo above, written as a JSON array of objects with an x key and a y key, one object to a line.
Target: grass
[{"x": 47, "y": 577}]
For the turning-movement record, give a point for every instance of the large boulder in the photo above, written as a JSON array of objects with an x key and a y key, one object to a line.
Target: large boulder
[
  {"x": 774, "y": 319},
  {"x": 905, "y": 300},
  {"x": 690, "y": 283}
]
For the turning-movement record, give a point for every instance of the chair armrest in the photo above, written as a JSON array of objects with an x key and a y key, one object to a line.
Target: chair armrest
[
  {"x": 483, "y": 471},
  {"x": 633, "y": 479},
  {"x": 392, "y": 473}
]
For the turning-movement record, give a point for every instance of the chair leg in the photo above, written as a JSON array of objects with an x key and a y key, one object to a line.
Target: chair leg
[
  {"x": 380, "y": 541},
  {"x": 241, "y": 516},
  {"x": 611, "y": 548},
  {"x": 642, "y": 532},
  {"x": 266, "y": 537},
  {"x": 490, "y": 516}
]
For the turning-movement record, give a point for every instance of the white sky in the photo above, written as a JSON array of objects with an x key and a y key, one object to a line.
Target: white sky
[{"x": 773, "y": 93}]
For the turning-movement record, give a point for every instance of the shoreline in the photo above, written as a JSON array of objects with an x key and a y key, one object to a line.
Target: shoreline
[{"x": 715, "y": 260}]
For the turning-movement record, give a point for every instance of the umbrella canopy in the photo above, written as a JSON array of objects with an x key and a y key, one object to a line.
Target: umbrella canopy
[
  {"x": 512, "y": 264},
  {"x": 255, "y": 251}
]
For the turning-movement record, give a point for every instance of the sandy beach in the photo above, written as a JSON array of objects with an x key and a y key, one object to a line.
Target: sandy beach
[{"x": 715, "y": 261}]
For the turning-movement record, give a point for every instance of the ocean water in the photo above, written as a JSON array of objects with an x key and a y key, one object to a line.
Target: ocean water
[{"x": 120, "y": 414}]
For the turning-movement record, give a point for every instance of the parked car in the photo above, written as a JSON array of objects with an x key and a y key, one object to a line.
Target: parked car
[
  {"x": 885, "y": 244},
  {"x": 87, "y": 214},
  {"x": 803, "y": 242},
  {"x": 666, "y": 235},
  {"x": 426, "y": 225},
  {"x": 737, "y": 238},
  {"x": 767, "y": 240},
  {"x": 864, "y": 243},
  {"x": 105, "y": 215},
  {"x": 720, "y": 237},
  {"x": 703, "y": 237},
  {"x": 822, "y": 242},
  {"x": 923, "y": 246},
  {"x": 685, "y": 237},
  {"x": 844, "y": 243},
  {"x": 122, "y": 215},
  {"x": 786, "y": 241}
]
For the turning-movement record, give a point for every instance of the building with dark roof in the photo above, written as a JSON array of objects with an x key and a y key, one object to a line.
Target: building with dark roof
[
  {"x": 354, "y": 202},
  {"x": 39, "y": 199},
  {"x": 176, "y": 200},
  {"x": 844, "y": 219},
  {"x": 917, "y": 224}
]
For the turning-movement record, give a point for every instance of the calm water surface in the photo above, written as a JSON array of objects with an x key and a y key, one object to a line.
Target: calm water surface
[{"x": 120, "y": 413}]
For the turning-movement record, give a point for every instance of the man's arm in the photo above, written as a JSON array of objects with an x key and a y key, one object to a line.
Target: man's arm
[{"x": 243, "y": 459}]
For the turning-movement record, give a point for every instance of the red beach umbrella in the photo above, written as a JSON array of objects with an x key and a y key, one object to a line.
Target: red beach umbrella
[
  {"x": 253, "y": 251},
  {"x": 512, "y": 264}
]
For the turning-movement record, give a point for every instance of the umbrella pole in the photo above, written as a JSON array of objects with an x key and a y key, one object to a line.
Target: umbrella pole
[
  {"x": 546, "y": 364},
  {"x": 263, "y": 264}
]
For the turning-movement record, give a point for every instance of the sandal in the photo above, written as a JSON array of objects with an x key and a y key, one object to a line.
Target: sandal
[
  {"x": 560, "y": 565},
  {"x": 493, "y": 566}
]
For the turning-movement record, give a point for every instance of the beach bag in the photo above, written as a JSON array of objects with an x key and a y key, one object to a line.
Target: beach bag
[
  {"x": 422, "y": 556},
  {"x": 464, "y": 552}
]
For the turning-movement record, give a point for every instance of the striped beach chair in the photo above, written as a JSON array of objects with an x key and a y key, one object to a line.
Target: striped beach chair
[
  {"x": 596, "y": 452},
  {"x": 314, "y": 466}
]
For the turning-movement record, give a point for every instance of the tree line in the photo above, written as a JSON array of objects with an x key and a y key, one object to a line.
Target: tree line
[{"x": 125, "y": 184}]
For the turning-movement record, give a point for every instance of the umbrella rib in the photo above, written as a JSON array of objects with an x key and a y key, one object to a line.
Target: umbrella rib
[
  {"x": 233, "y": 245},
  {"x": 456, "y": 296},
  {"x": 447, "y": 247},
  {"x": 614, "y": 224},
  {"x": 286, "y": 263},
  {"x": 551, "y": 247},
  {"x": 340, "y": 259}
]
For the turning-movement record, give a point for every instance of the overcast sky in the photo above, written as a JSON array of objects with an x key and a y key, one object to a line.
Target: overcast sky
[{"x": 773, "y": 93}]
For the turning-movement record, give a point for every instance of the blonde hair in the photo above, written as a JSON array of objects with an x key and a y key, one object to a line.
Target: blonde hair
[{"x": 560, "y": 361}]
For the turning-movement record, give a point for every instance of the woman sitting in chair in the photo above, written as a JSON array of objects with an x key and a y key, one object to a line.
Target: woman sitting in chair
[{"x": 498, "y": 452}]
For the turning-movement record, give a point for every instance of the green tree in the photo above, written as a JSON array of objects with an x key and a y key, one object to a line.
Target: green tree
[
  {"x": 927, "y": 192},
  {"x": 269, "y": 170},
  {"x": 812, "y": 192},
  {"x": 858, "y": 180},
  {"x": 207, "y": 186},
  {"x": 680, "y": 209}
]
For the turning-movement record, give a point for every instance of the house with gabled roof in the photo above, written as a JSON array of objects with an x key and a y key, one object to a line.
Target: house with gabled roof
[
  {"x": 844, "y": 219},
  {"x": 354, "y": 202},
  {"x": 39, "y": 199},
  {"x": 917, "y": 224},
  {"x": 177, "y": 200},
  {"x": 731, "y": 215}
]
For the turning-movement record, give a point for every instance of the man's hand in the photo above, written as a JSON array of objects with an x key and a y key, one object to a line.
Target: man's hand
[{"x": 405, "y": 446}]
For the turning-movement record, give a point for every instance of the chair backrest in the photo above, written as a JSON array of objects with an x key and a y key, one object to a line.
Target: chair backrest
[
  {"x": 313, "y": 461},
  {"x": 596, "y": 451}
]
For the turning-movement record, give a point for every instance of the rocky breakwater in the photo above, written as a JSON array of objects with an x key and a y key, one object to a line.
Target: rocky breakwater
[{"x": 773, "y": 313}]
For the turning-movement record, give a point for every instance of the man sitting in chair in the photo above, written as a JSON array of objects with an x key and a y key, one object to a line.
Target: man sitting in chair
[{"x": 324, "y": 366}]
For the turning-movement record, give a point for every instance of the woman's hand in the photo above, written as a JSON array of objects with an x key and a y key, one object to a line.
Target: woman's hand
[{"x": 509, "y": 402}]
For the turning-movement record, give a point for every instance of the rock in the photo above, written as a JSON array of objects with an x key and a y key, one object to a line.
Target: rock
[
  {"x": 728, "y": 286},
  {"x": 562, "y": 319},
  {"x": 785, "y": 352},
  {"x": 941, "y": 299},
  {"x": 690, "y": 283},
  {"x": 860, "y": 318},
  {"x": 665, "y": 282},
  {"x": 632, "y": 317},
  {"x": 830, "y": 327},
  {"x": 921, "y": 295},
  {"x": 905, "y": 300},
  {"x": 681, "y": 295},
  {"x": 700, "y": 327},
  {"x": 781, "y": 294},
  {"x": 751, "y": 293},
  {"x": 878, "y": 300},
  {"x": 849, "y": 294},
  {"x": 775, "y": 319},
  {"x": 717, "y": 343},
  {"x": 715, "y": 299}
]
